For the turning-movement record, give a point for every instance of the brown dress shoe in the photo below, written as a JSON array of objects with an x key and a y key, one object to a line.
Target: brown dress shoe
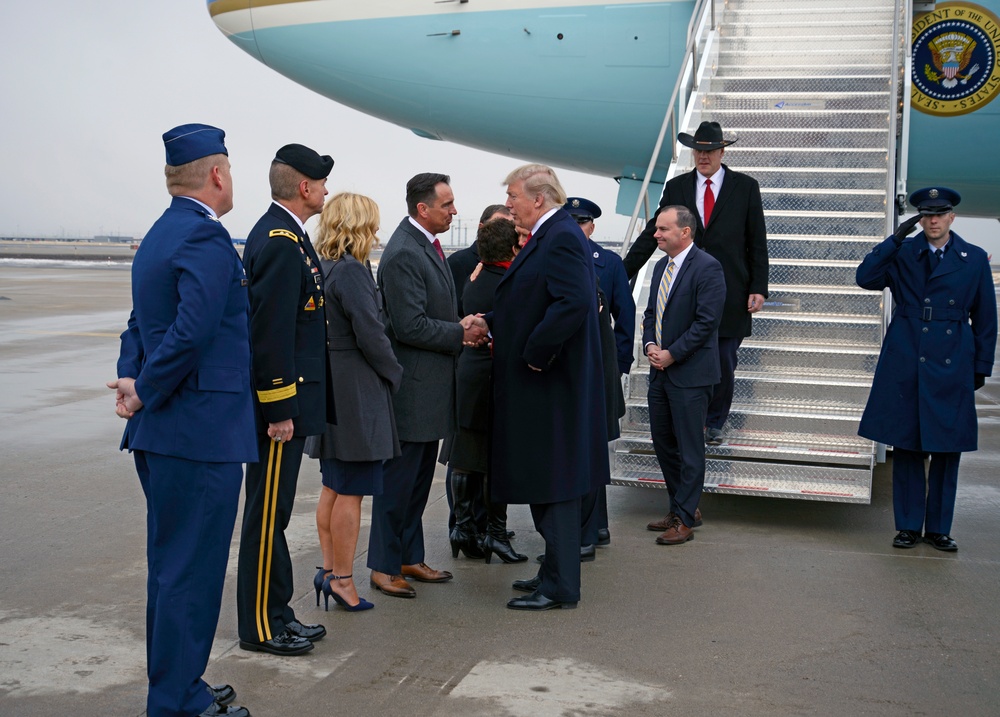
[
  {"x": 676, "y": 534},
  {"x": 661, "y": 525},
  {"x": 426, "y": 574},
  {"x": 392, "y": 585}
]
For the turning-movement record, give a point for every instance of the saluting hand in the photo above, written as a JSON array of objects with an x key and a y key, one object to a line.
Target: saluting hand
[{"x": 905, "y": 229}]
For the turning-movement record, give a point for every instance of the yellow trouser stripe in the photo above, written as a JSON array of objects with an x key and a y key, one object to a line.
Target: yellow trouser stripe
[
  {"x": 271, "y": 477},
  {"x": 276, "y": 394}
]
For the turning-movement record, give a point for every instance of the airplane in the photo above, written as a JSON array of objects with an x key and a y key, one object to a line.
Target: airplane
[{"x": 584, "y": 84}]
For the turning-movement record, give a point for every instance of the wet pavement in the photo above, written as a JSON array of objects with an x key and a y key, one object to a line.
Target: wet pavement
[{"x": 778, "y": 607}]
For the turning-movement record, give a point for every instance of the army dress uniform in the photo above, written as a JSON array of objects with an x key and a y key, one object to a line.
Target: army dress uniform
[{"x": 289, "y": 360}]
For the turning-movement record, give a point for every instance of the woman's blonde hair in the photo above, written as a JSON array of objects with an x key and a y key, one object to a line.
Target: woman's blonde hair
[{"x": 347, "y": 226}]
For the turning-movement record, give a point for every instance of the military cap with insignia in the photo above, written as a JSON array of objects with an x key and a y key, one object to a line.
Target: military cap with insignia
[
  {"x": 582, "y": 208},
  {"x": 707, "y": 137},
  {"x": 305, "y": 160},
  {"x": 189, "y": 142},
  {"x": 935, "y": 200}
]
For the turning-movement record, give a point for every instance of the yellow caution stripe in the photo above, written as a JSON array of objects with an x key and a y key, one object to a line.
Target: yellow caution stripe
[{"x": 276, "y": 394}]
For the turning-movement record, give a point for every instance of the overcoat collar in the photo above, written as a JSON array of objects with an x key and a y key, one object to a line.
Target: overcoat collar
[{"x": 529, "y": 248}]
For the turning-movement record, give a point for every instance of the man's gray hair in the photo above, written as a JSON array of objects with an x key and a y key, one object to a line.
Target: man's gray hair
[
  {"x": 539, "y": 179},
  {"x": 284, "y": 180},
  {"x": 190, "y": 176}
]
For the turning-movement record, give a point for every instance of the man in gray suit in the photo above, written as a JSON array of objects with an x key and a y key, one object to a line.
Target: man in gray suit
[{"x": 421, "y": 311}]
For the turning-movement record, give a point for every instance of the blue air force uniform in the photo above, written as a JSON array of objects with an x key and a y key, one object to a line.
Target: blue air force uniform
[
  {"x": 187, "y": 348},
  {"x": 938, "y": 349}
]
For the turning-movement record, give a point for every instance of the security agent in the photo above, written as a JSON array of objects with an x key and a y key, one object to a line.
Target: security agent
[
  {"x": 288, "y": 343},
  {"x": 184, "y": 386},
  {"x": 613, "y": 282},
  {"x": 937, "y": 351}
]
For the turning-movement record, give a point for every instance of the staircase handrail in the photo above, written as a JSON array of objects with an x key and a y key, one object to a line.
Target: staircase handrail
[{"x": 690, "y": 54}]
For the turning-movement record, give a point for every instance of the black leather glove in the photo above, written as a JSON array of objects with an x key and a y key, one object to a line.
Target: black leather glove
[
  {"x": 980, "y": 381},
  {"x": 905, "y": 229}
]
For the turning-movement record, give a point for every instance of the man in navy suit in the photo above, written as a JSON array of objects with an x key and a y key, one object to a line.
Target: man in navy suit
[
  {"x": 549, "y": 425},
  {"x": 679, "y": 334},
  {"x": 184, "y": 386}
]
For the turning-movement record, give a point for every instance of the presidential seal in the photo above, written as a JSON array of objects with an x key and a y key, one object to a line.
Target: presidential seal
[{"x": 955, "y": 69}]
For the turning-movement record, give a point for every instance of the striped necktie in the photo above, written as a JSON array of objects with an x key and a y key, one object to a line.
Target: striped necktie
[{"x": 661, "y": 299}]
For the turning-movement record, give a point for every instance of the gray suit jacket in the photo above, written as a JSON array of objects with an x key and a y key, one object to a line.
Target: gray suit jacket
[{"x": 422, "y": 325}]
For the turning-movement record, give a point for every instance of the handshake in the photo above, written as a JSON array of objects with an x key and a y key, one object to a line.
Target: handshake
[{"x": 476, "y": 330}]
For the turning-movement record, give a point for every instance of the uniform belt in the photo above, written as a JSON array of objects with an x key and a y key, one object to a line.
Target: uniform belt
[
  {"x": 932, "y": 313},
  {"x": 341, "y": 343}
]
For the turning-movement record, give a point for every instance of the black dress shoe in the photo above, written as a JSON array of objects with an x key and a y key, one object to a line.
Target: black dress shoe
[
  {"x": 223, "y": 694},
  {"x": 940, "y": 541},
  {"x": 906, "y": 539},
  {"x": 313, "y": 633},
  {"x": 587, "y": 553},
  {"x": 603, "y": 537},
  {"x": 218, "y": 710},
  {"x": 537, "y": 601},
  {"x": 528, "y": 586},
  {"x": 284, "y": 643}
]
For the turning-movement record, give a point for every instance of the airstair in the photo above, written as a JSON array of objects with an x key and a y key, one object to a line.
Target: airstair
[{"x": 809, "y": 89}]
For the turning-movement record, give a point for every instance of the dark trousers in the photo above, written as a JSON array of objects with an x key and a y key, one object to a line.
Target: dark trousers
[
  {"x": 559, "y": 524},
  {"x": 593, "y": 514},
  {"x": 924, "y": 500},
  {"x": 676, "y": 421},
  {"x": 397, "y": 532},
  {"x": 264, "y": 586},
  {"x": 722, "y": 393},
  {"x": 190, "y": 514}
]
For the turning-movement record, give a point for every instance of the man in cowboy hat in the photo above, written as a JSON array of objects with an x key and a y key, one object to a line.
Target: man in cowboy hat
[
  {"x": 730, "y": 227},
  {"x": 937, "y": 351}
]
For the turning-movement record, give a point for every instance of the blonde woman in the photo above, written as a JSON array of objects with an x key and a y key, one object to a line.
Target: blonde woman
[{"x": 364, "y": 374}]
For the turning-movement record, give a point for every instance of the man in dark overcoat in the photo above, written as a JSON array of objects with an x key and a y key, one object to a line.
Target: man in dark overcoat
[
  {"x": 288, "y": 343},
  {"x": 549, "y": 432},
  {"x": 937, "y": 351},
  {"x": 184, "y": 386},
  {"x": 421, "y": 312},
  {"x": 730, "y": 227},
  {"x": 679, "y": 331}
]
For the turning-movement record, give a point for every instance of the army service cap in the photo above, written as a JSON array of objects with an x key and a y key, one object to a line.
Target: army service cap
[{"x": 305, "y": 160}]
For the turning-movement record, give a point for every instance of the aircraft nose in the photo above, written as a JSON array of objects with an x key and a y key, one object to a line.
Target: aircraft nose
[{"x": 233, "y": 18}]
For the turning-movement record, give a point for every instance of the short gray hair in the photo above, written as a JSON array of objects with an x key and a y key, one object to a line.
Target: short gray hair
[
  {"x": 284, "y": 180},
  {"x": 539, "y": 179},
  {"x": 190, "y": 176}
]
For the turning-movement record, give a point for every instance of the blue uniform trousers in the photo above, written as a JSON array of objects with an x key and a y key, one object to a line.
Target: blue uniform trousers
[
  {"x": 924, "y": 500},
  {"x": 676, "y": 421},
  {"x": 190, "y": 514},
  {"x": 559, "y": 524},
  {"x": 397, "y": 532},
  {"x": 722, "y": 393}
]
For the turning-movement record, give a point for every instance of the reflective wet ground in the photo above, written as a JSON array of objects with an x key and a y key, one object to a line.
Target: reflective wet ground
[{"x": 777, "y": 607}]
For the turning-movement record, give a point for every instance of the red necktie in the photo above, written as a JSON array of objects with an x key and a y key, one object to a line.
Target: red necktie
[
  {"x": 437, "y": 248},
  {"x": 709, "y": 201}
]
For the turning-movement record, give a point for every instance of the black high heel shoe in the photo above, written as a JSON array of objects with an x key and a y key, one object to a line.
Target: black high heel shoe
[
  {"x": 469, "y": 543},
  {"x": 318, "y": 581},
  {"x": 503, "y": 550},
  {"x": 329, "y": 592}
]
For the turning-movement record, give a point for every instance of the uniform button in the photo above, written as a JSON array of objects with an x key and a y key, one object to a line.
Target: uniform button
[
  {"x": 947, "y": 361},
  {"x": 302, "y": 380},
  {"x": 922, "y": 359},
  {"x": 927, "y": 301},
  {"x": 951, "y": 302},
  {"x": 948, "y": 332},
  {"x": 926, "y": 329}
]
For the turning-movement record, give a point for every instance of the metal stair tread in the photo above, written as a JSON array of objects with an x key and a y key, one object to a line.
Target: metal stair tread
[
  {"x": 794, "y": 377},
  {"x": 824, "y": 191},
  {"x": 835, "y": 263},
  {"x": 818, "y": 347},
  {"x": 818, "y": 288},
  {"x": 823, "y": 214}
]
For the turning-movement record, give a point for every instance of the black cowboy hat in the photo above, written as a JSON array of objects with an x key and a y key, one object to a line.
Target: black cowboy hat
[{"x": 707, "y": 138}]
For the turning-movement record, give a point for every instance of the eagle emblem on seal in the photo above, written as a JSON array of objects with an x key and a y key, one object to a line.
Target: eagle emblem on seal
[{"x": 951, "y": 53}]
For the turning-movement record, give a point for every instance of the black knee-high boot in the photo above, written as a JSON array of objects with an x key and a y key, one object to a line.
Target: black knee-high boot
[
  {"x": 464, "y": 536},
  {"x": 496, "y": 539}
]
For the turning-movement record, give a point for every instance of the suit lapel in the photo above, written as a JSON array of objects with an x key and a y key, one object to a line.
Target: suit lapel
[
  {"x": 691, "y": 197},
  {"x": 678, "y": 279}
]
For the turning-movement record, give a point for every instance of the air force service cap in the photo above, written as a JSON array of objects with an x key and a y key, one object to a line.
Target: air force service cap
[
  {"x": 193, "y": 141},
  {"x": 582, "y": 208},
  {"x": 305, "y": 160},
  {"x": 935, "y": 200}
]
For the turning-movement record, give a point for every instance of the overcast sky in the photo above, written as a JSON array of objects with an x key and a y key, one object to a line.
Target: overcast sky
[{"x": 88, "y": 88}]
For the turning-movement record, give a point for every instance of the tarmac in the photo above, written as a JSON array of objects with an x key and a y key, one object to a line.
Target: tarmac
[{"x": 777, "y": 607}]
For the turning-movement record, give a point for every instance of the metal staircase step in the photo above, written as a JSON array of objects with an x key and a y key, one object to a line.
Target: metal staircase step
[
  {"x": 809, "y": 45},
  {"x": 634, "y": 453},
  {"x": 785, "y": 26},
  {"x": 820, "y": 360},
  {"x": 839, "y": 300},
  {"x": 818, "y": 328},
  {"x": 833, "y": 223},
  {"x": 802, "y": 157},
  {"x": 808, "y": 199},
  {"x": 856, "y": 67},
  {"x": 777, "y": 116},
  {"x": 812, "y": 272},
  {"x": 828, "y": 483},
  {"x": 763, "y": 138},
  {"x": 801, "y": 83},
  {"x": 737, "y": 52},
  {"x": 780, "y": 99},
  {"x": 832, "y": 179},
  {"x": 832, "y": 248},
  {"x": 792, "y": 17}
]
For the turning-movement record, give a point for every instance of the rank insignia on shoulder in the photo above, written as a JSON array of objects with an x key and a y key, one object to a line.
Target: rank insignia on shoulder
[
  {"x": 283, "y": 233},
  {"x": 310, "y": 305}
]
